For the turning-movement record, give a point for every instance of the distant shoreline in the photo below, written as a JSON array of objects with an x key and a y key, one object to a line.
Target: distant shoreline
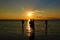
[{"x": 25, "y": 19}]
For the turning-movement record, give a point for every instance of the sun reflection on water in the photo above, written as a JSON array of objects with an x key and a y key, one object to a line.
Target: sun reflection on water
[
  {"x": 28, "y": 26},
  {"x": 29, "y": 33},
  {"x": 28, "y": 29}
]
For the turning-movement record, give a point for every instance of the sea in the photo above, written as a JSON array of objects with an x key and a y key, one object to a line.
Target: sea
[{"x": 13, "y": 30}]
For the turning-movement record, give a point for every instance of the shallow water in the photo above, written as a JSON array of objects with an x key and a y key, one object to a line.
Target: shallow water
[{"x": 12, "y": 30}]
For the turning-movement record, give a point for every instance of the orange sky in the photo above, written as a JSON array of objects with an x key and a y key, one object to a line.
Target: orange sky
[
  {"x": 36, "y": 15},
  {"x": 18, "y": 9}
]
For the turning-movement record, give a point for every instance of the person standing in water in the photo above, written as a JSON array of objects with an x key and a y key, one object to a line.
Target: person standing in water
[
  {"x": 22, "y": 25},
  {"x": 32, "y": 37},
  {"x": 32, "y": 24},
  {"x": 46, "y": 29}
]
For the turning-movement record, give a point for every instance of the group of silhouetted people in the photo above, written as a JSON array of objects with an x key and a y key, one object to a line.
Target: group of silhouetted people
[{"x": 31, "y": 24}]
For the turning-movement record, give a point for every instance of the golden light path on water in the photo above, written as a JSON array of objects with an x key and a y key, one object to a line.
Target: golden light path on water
[
  {"x": 28, "y": 26},
  {"x": 28, "y": 29}
]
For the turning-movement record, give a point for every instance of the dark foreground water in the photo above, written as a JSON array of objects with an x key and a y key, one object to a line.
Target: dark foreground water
[{"x": 12, "y": 30}]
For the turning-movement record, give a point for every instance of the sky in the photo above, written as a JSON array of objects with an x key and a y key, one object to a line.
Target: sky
[{"x": 17, "y": 9}]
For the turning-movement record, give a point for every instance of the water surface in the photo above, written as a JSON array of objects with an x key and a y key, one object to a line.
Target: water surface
[{"x": 12, "y": 30}]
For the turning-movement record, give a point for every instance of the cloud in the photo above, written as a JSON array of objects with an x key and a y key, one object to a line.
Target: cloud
[{"x": 38, "y": 11}]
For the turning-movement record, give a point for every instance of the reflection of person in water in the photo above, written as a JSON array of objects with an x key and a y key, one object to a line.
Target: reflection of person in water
[
  {"x": 32, "y": 36},
  {"x": 32, "y": 24}
]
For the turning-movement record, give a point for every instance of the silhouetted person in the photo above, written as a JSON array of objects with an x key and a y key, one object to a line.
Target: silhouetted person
[
  {"x": 22, "y": 25},
  {"x": 23, "y": 29},
  {"x": 32, "y": 24},
  {"x": 46, "y": 29}
]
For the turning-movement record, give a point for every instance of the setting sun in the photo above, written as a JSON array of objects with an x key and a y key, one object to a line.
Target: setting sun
[{"x": 29, "y": 14}]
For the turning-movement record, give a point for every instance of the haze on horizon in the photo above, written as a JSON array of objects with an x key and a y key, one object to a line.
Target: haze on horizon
[{"x": 18, "y": 9}]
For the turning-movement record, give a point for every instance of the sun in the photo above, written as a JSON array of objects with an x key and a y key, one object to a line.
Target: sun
[{"x": 29, "y": 14}]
